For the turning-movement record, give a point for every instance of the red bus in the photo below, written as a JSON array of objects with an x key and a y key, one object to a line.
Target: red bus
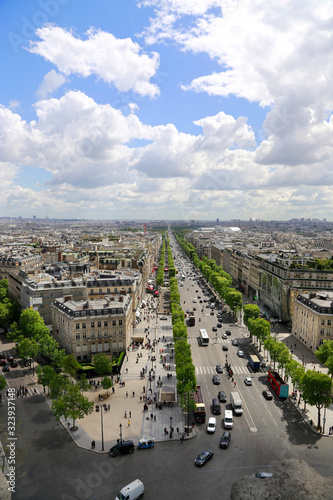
[{"x": 278, "y": 384}]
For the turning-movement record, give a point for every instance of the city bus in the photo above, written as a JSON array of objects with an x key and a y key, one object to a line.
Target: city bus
[{"x": 204, "y": 339}]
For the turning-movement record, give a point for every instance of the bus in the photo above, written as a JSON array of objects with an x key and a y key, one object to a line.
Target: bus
[
  {"x": 204, "y": 337},
  {"x": 278, "y": 384}
]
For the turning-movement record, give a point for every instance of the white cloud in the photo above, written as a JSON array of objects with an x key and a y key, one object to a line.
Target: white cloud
[
  {"x": 51, "y": 81},
  {"x": 120, "y": 62}
]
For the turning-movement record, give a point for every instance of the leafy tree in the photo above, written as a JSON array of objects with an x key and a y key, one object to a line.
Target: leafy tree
[
  {"x": 58, "y": 386},
  {"x": 28, "y": 349},
  {"x": 70, "y": 365},
  {"x": 83, "y": 383},
  {"x": 316, "y": 390},
  {"x": 72, "y": 405},
  {"x": 250, "y": 311},
  {"x": 106, "y": 384},
  {"x": 45, "y": 375},
  {"x": 102, "y": 364},
  {"x": 32, "y": 324}
]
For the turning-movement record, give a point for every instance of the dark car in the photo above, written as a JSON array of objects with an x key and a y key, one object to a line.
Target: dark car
[
  {"x": 216, "y": 380},
  {"x": 9, "y": 357},
  {"x": 267, "y": 394},
  {"x": 203, "y": 458},
  {"x": 219, "y": 369},
  {"x": 5, "y": 369},
  {"x": 222, "y": 397},
  {"x": 224, "y": 347},
  {"x": 228, "y": 332},
  {"x": 219, "y": 325},
  {"x": 122, "y": 448},
  {"x": 3, "y": 362},
  {"x": 225, "y": 440},
  {"x": 2, "y": 356},
  {"x": 214, "y": 329},
  {"x": 14, "y": 363}
]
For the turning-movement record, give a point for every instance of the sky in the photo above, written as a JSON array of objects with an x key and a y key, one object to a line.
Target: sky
[{"x": 166, "y": 109}]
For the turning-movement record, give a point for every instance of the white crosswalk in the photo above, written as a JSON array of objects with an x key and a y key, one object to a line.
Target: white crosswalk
[
  {"x": 26, "y": 395},
  {"x": 240, "y": 370}
]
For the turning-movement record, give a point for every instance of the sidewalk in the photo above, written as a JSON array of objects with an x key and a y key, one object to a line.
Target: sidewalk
[
  {"x": 130, "y": 397},
  {"x": 304, "y": 356}
]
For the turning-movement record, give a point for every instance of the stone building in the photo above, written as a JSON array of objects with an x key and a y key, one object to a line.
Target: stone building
[
  {"x": 84, "y": 328},
  {"x": 313, "y": 318}
]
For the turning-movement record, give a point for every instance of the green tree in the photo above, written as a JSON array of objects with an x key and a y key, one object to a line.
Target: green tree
[
  {"x": 250, "y": 311},
  {"x": 70, "y": 365},
  {"x": 32, "y": 324},
  {"x": 102, "y": 364},
  {"x": 72, "y": 405},
  {"x": 28, "y": 349},
  {"x": 106, "y": 384},
  {"x": 3, "y": 382},
  {"x": 58, "y": 386},
  {"x": 45, "y": 375},
  {"x": 316, "y": 390},
  {"x": 83, "y": 383}
]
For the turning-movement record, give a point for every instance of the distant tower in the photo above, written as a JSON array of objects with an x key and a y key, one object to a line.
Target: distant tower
[{"x": 217, "y": 221}]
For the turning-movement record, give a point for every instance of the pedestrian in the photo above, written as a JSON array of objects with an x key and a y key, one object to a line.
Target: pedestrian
[
  {"x": 112, "y": 390},
  {"x": 126, "y": 394},
  {"x": 177, "y": 430},
  {"x": 128, "y": 423},
  {"x": 125, "y": 416},
  {"x": 133, "y": 394},
  {"x": 151, "y": 416},
  {"x": 109, "y": 407},
  {"x": 130, "y": 414},
  {"x": 140, "y": 399},
  {"x": 154, "y": 418}
]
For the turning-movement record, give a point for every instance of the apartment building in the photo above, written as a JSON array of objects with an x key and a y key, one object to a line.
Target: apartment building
[
  {"x": 313, "y": 318},
  {"x": 84, "y": 328}
]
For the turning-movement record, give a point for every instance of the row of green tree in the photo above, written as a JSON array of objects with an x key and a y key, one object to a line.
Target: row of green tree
[
  {"x": 161, "y": 265},
  {"x": 315, "y": 387},
  {"x": 9, "y": 309},
  {"x": 33, "y": 340}
]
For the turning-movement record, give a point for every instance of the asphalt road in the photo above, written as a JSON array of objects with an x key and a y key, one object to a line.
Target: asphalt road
[{"x": 50, "y": 466}]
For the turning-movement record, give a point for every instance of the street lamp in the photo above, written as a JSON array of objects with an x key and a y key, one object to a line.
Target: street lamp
[
  {"x": 120, "y": 434},
  {"x": 170, "y": 427},
  {"x": 100, "y": 407}
]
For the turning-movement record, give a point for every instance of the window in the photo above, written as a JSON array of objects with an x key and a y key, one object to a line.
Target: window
[
  {"x": 328, "y": 332},
  {"x": 84, "y": 348},
  {"x": 328, "y": 321},
  {"x": 84, "y": 335},
  {"x": 120, "y": 333},
  {"x": 120, "y": 322},
  {"x": 322, "y": 331},
  {"x": 77, "y": 326},
  {"x": 99, "y": 334},
  {"x": 83, "y": 325},
  {"x": 114, "y": 322},
  {"x": 99, "y": 324},
  {"x": 77, "y": 336},
  {"x": 78, "y": 348},
  {"x": 114, "y": 333},
  {"x": 92, "y": 324},
  {"x": 93, "y": 336},
  {"x": 105, "y": 323},
  {"x": 322, "y": 322}
]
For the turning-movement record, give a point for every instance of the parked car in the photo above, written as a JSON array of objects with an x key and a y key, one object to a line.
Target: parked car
[
  {"x": 225, "y": 439},
  {"x": 122, "y": 448},
  {"x": 146, "y": 442},
  {"x": 163, "y": 317},
  {"x": 203, "y": 458}
]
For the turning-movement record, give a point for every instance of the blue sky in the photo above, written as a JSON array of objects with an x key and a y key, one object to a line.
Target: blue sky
[{"x": 155, "y": 109}]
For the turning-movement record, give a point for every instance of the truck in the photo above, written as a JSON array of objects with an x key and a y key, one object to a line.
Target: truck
[
  {"x": 200, "y": 409},
  {"x": 236, "y": 403},
  {"x": 191, "y": 320},
  {"x": 132, "y": 491},
  {"x": 254, "y": 362}
]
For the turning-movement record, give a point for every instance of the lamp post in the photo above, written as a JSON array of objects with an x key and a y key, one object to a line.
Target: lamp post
[
  {"x": 100, "y": 407},
  {"x": 170, "y": 427},
  {"x": 120, "y": 433}
]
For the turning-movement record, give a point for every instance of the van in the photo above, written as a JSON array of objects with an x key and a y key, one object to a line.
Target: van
[
  {"x": 211, "y": 426},
  {"x": 122, "y": 448},
  {"x": 216, "y": 407},
  {"x": 228, "y": 419},
  {"x": 132, "y": 491}
]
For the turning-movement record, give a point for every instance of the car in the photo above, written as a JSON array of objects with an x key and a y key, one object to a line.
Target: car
[
  {"x": 234, "y": 342},
  {"x": 200, "y": 301},
  {"x": 216, "y": 380},
  {"x": 3, "y": 362},
  {"x": 228, "y": 332},
  {"x": 225, "y": 439},
  {"x": 203, "y": 458},
  {"x": 222, "y": 397},
  {"x": 240, "y": 354},
  {"x": 248, "y": 381},
  {"x": 2, "y": 356},
  {"x": 194, "y": 300},
  {"x": 219, "y": 325},
  {"x": 211, "y": 426},
  {"x": 5, "y": 369},
  {"x": 214, "y": 329},
  {"x": 267, "y": 394},
  {"x": 187, "y": 311},
  {"x": 212, "y": 313},
  {"x": 219, "y": 369},
  {"x": 9, "y": 357},
  {"x": 163, "y": 317},
  {"x": 199, "y": 296},
  {"x": 262, "y": 475},
  {"x": 224, "y": 336},
  {"x": 225, "y": 348},
  {"x": 207, "y": 306},
  {"x": 14, "y": 363},
  {"x": 194, "y": 308},
  {"x": 196, "y": 292},
  {"x": 122, "y": 448}
]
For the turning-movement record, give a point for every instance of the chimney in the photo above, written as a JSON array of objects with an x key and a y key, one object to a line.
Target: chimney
[{"x": 68, "y": 297}]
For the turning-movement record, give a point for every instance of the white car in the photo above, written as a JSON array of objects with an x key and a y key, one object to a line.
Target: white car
[
  {"x": 224, "y": 336},
  {"x": 211, "y": 426},
  {"x": 240, "y": 354},
  {"x": 194, "y": 300},
  {"x": 248, "y": 381}
]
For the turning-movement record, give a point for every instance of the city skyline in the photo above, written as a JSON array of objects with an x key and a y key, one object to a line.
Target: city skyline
[{"x": 160, "y": 109}]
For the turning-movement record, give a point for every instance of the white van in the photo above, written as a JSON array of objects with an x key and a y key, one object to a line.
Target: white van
[
  {"x": 132, "y": 491},
  {"x": 211, "y": 426},
  {"x": 228, "y": 419}
]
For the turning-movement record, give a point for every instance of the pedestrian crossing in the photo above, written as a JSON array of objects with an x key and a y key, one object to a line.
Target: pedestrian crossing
[
  {"x": 240, "y": 370},
  {"x": 28, "y": 392},
  {"x": 214, "y": 340}
]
